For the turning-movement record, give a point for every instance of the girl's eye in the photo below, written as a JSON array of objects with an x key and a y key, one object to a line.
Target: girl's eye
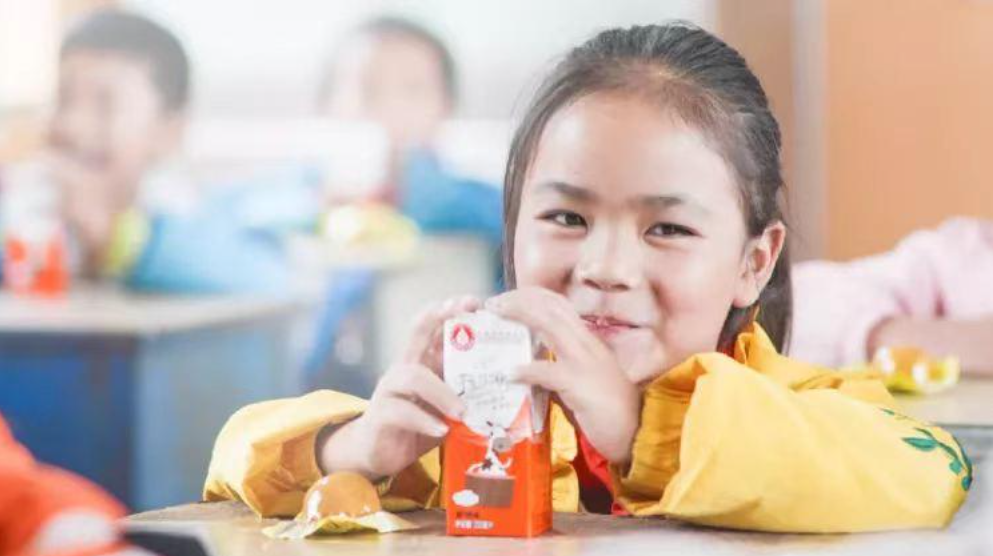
[
  {"x": 665, "y": 229},
  {"x": 564, "y": 218}
]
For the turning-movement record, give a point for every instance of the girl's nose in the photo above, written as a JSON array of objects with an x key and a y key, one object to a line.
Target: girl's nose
[{"x": 610, "y": 261}]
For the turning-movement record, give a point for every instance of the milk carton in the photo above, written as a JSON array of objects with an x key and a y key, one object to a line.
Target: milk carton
[{"x": 497, "y": 460}]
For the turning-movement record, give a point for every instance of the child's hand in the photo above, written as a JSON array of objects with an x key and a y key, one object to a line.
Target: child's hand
[
  {"x": 405, "y": 417},
  {"x": 604, "y": 402},
  {"x": 91, "y": 202}
]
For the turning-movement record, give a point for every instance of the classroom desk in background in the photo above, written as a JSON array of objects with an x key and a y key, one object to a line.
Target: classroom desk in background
[{"x": 130, "y": 390}]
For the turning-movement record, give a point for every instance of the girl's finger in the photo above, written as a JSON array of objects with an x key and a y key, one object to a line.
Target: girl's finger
[
  {"x": 408, "y": 416},
  {"x": 549, "y": 375},
  {"x": 427, "y": 327},
  {"x": 432, "y": 355},
  {"x": 548, "y": 315},
  {"x": 419, "y": 384}
]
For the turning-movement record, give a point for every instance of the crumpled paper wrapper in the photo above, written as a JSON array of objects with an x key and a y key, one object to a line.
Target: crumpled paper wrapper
[{"x": 379, "y": 522}]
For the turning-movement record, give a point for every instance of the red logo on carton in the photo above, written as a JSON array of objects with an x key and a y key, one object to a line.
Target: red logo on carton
[{"x": 462, "y": 337}]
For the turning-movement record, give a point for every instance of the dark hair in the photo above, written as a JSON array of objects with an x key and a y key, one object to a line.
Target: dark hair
[
  {"x": 705, "y": 83},
  {"x": 398, "y": 26},
  {"x": 135, "y": 36}
]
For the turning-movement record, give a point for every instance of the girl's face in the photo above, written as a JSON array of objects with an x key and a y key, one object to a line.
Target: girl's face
[{"x": 629, "y": 214}]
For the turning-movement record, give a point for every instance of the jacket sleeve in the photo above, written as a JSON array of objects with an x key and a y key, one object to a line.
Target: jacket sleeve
[
  {"x": 761, "y": 442},
  {"x": 265, "y": 456},
  {"x": 837, "y": 305}
]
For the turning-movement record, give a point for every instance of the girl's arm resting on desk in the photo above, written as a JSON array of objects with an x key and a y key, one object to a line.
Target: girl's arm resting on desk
[
  {"x": 969, "y": 340},
  {"x": 266, "y": 456},
  {"x": 269, "y": 453},
  {"x": 766, "y": 443}
]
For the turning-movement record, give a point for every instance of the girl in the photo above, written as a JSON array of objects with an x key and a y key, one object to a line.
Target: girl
[{"x": 646, "y": 248}]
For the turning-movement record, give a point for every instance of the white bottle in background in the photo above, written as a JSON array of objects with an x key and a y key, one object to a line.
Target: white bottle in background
[{"x": 35, "y": 246}]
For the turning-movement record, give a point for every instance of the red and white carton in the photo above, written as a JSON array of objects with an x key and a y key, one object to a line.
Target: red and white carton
[
  {"x": 36, "y": 257},
  {"x": 497, "y": 460},
  {"x": 35, "y": 261}
]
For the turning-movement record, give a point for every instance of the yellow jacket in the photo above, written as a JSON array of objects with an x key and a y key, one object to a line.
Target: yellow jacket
[{"x": 757, "y": 441}]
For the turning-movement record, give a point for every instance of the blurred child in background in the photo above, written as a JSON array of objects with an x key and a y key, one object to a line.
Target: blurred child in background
[
  {"x": 397, "y": 75},
  {"x": 401, "y": 77},
  {"x": 108, "y": 177},
  {"x": 932, "y": 292}
]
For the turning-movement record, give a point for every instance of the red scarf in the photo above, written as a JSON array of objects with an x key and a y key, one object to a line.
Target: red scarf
[{"x": 595, "y": 488}]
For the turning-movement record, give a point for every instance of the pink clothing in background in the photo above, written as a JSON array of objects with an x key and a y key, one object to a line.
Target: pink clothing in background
[{"x": 944, "y": 272}]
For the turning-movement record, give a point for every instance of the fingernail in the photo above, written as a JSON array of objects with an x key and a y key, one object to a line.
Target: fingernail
[{"x": 439, "y": 430}]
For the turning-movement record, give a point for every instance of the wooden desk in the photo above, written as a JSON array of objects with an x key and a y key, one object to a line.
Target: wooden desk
[
  {"x": 230, "y": 529},
  {"x": 130, "y": 390},
  {"x": 969, "y": 403},
  {"x": 966, "y": 411}
]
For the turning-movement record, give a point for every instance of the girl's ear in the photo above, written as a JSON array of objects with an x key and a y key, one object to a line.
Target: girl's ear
[{"x": 757, "y": 263}]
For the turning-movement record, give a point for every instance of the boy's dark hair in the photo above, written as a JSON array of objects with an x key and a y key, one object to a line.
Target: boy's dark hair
[
  {"x": 398, "y": 26},
  {"x": 708, "y": 85},
  {"x": 138, "y": 37}
]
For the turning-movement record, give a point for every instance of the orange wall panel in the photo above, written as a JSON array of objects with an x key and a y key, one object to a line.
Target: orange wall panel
[{"x": 909, "y": 118}]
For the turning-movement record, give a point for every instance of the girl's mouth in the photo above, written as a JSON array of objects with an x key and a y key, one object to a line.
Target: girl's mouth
[{"x": 606, "y": 326}]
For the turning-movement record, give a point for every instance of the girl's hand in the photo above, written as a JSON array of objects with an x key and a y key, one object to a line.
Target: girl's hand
[
  {"x": 585, "y": 375},
  {"x": 405, "y": 417}
]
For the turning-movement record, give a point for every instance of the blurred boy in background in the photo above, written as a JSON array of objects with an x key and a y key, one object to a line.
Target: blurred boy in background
[
  {"x": 398, "y": 75},
  {"x": 120, "y": 113}
]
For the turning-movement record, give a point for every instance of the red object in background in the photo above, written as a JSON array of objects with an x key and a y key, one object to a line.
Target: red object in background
[
  {"x": 37, "y": 266},
  {"x": 32, "y": 493}
]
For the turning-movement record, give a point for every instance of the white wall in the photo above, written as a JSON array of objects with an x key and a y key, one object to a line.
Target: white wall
[
  {"x": 262, "y": 57},
  {"x": 28, "y": 52}
]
